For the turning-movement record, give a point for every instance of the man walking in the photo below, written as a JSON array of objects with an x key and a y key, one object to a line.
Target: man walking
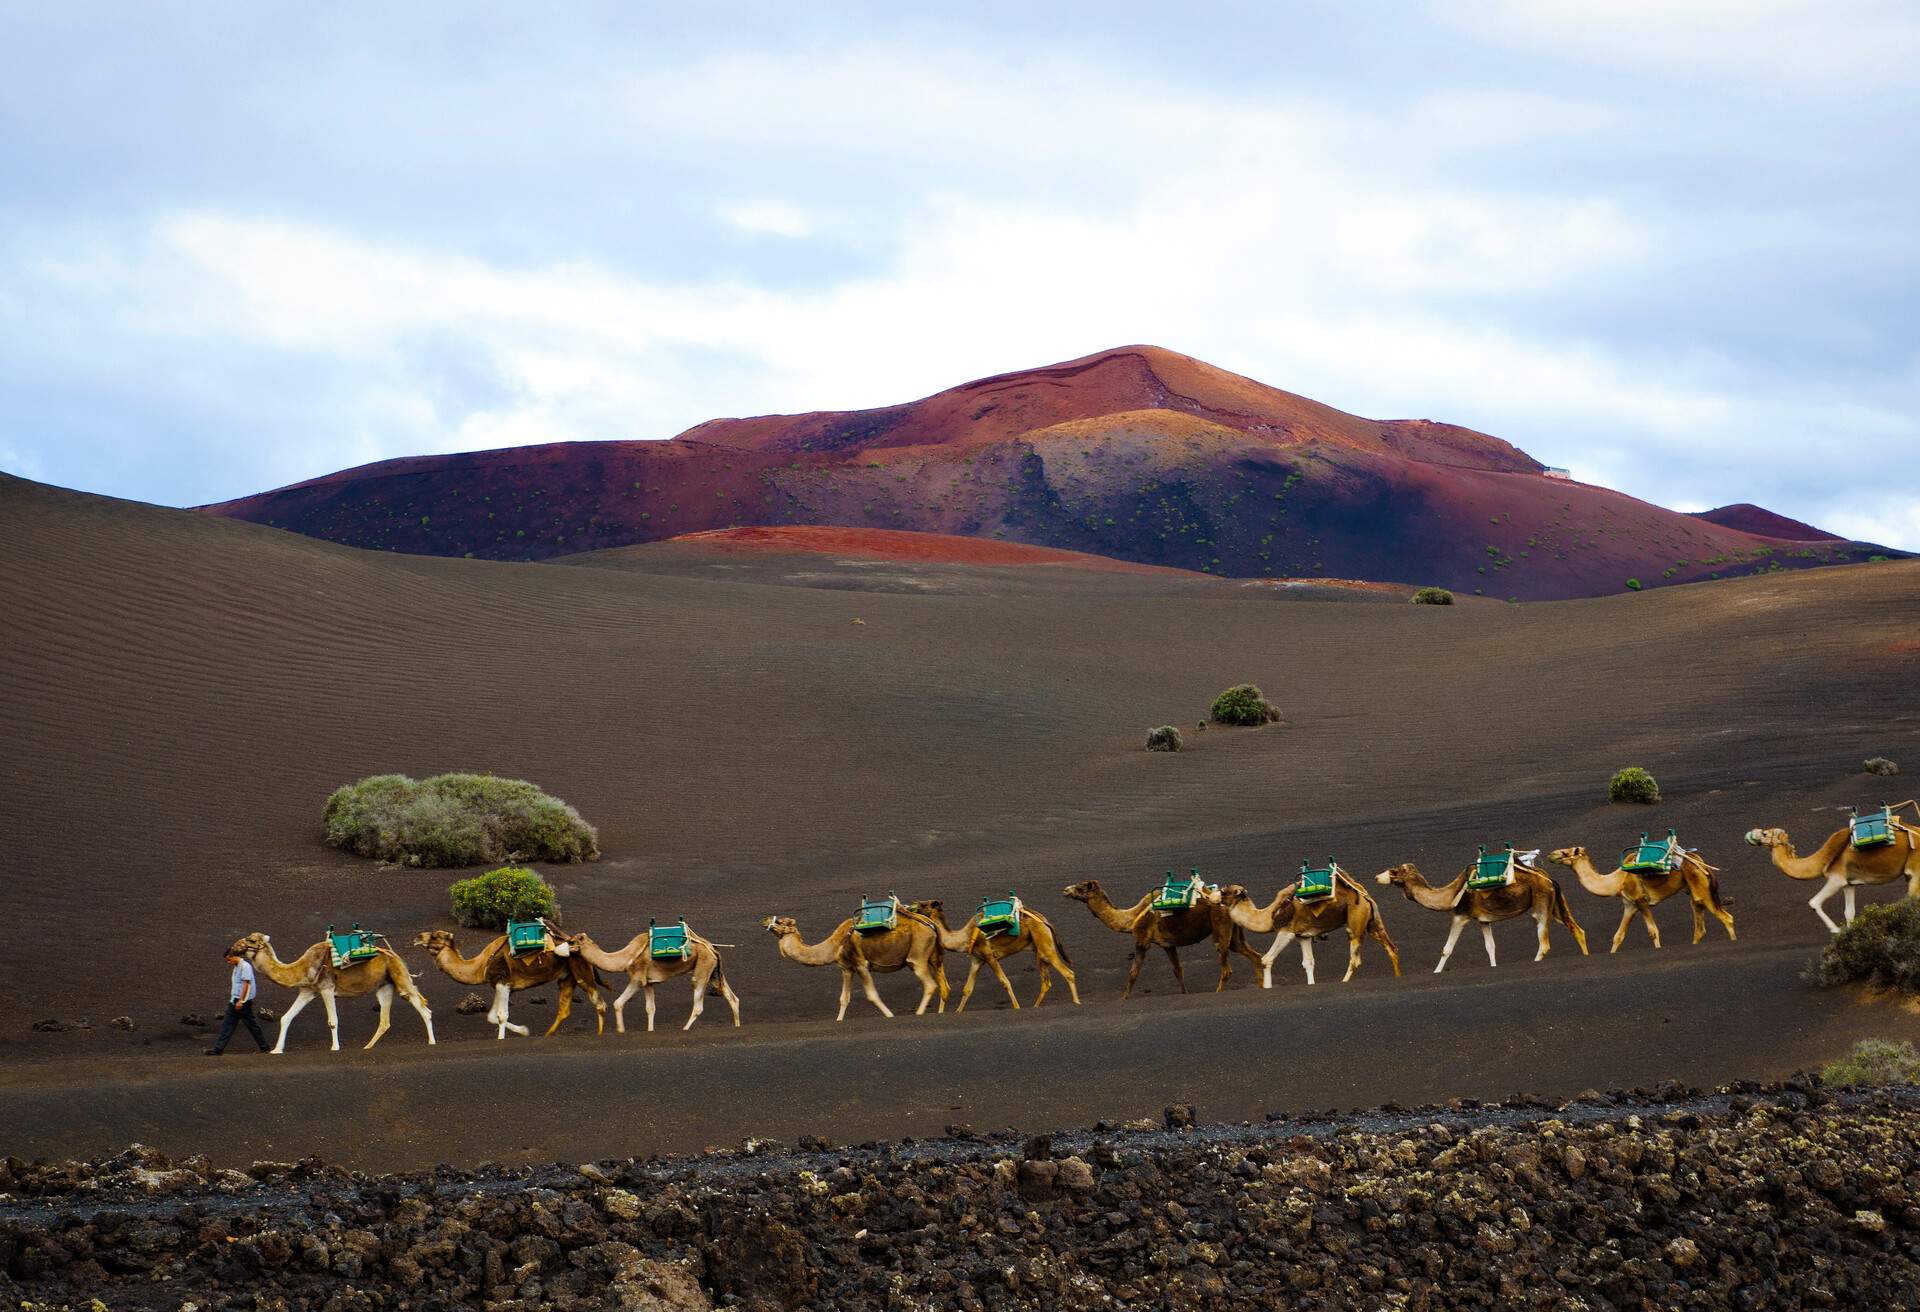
[{"x": 239, "y": 1007}]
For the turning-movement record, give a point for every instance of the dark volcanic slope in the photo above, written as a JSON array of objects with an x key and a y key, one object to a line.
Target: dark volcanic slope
[
  {"x": 1136, "y": 453},
  {"x": 1761, "y": 522},
  {"x": 179, "y": 692}
]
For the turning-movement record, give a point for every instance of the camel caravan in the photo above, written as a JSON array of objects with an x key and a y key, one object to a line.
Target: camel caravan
[{"x": 889, "y": 935}]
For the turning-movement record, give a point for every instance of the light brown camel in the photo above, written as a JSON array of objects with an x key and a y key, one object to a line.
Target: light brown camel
[
  {"x": 1168, "y": 930},
  {"x": 1643, "y": 890},
  {"x": 1532, "y": 892},
  {"x": 1844, "y": 866},
  {"x": 1348, "y": 907},
  {"x": 509, "y": 974},
  {"x": 912, "y": 944},
  {"x": 643, "y": 971},
  {"x": 1035, "y": 933},
  {"x": 314, "y": 974}
]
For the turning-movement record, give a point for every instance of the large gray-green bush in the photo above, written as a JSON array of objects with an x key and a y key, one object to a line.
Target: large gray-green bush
[{"x": 455, "y": 820}]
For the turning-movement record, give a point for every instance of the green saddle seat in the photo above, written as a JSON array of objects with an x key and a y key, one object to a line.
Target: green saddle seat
[
  {"x": 877, "y": 917},
  {"x": 1000, "y": 916},
  {"x": 356, "y": 944},
  {"x": 1658, "y": 855},
  {"x": 1315, "y": 883},
  {"x": 1874, "y": 829},
  {"x": 1492, "y": 869},
  {"x": 1177, "y": 894},
  {"x": 524, "y": 936},
  {"x": 667, "y": 942}
]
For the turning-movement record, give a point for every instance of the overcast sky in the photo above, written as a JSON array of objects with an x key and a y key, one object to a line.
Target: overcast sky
[{"x": 1670, "y": 243}]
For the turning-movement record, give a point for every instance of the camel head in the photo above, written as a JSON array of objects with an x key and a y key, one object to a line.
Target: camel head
[
  {"x": 1402, "y": 874},
  {"x": 780, "y": 926},
  {"x": 433, "y": 940},
  {"x": 1566, "y": 856},
  {"x": 248, "y": 945},
  {"x": 1766, "y": 837},
  {"x": 1227, "y": 895},
  {"x": 1084, "y": 891},
  {"x": 932, "y": 906}
]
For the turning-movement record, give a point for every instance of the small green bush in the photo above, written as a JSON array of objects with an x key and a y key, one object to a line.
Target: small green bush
[
  {"x": 1875, "y": 1061},
  {"x": 1242, "y": 704},
  {"x": 1164, "y": 739},
  {"x": 510, "y": 893},
  {"x": 1634, "y": 584},
  {"x": 1432, "y": 597},
  {"x": 1633, "y": 784},
  {"x": 1879, "y": 765},
  {"x": 1881, "y": 947},
  {"x": 455, "y": 820}
]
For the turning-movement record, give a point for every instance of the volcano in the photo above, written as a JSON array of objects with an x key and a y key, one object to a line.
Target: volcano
[{"x": 1137, "y": 453}]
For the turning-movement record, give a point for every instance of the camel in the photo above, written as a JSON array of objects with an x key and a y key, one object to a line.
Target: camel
[
  {"x": 1349, "y": 906},
  {"x": 509, "y": 974},
  {"x": 314, "y": 975},
  {"x": 1844, "y": 866},
  {"x": 1168, "y": 930},
  {"x": 643, "y": 971},
  {"x": 1532, "y": 892},
  {"x": 1642, "y": 891},
  {"x": 912, "y": 944},
  {"x": 1035, "y": 933}
]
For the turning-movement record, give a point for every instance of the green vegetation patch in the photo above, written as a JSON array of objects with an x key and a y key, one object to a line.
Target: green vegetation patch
[
  {"x": 1875, "y": 1061},
  {"x": 1243, "y": 704},
  {"x": 1164, "y": 739},
  {"x": 455, "y": 820},
  {"x": 1881, "y": 947},
  {"x": 510, "y": 893},
  {"x": 1633, "y": 784},
  {"x": 1432, "y": 597}
]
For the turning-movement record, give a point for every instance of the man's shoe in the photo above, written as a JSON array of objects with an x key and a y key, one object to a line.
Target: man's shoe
[{"x": 215, "y": 1052}]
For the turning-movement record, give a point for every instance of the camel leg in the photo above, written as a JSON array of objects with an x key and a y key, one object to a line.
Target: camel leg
[
  {"x": 1066, "y": 973},
  {"x": 1847, "y": 897},
  {"x": 927, "y": 987},
  {"x": 1818, "y": 901},
  {"x": 620, "y": 1004},
  {"x": 426, "y": 1013},
  {"x": 1486, "y": 936},
  {"x": 563, "y": 1009},
  {"x": 699, "y": 1001},
  {"x": 385, "y": 994},
  {"x": 1353, "y": 956},
  {"x": 1699, "y": 918},
  {"x": 873, "y": 994},
  {"x": 501, "y": 993},
  {"x": 1046, "y": 976},
  {"x": 1653, "y": 930},
  {"x": 1453, "y": 936},
  {"x": 649, "y": 999},
  {"x": 1226, "y": 968},
  {"x": 1306, "y": 958},
  {"x": 1379, "y": 930},
  {"x": 1007, "y": 984},
  {"x": 1626, "y": 919},
  {"x": 966, "y": 989},
  {"x": 846, "y": 991},
  {"x": 1266, "y": 963},
  {"x": 733, "y": 999},
  {"x": 1133, "y": 969},
  {"x": 300, "y": 1000},
  {"x": 940, "y": 978},
  {"x": 1173, "y": 958},
  {"x": 333, "y": 1016},
  {"x": 1541, "y": 918}
]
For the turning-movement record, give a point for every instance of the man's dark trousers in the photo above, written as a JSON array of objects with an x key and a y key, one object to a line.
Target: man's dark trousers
[{"x": 239, "y": 1015}]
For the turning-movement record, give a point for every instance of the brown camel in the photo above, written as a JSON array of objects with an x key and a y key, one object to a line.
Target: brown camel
[
  {"x": 1643, "y": 890},
  {"x": 1168, "y": 930},
  {"x": 912, "y": 944},
  {"x": 1035, "y": 933},
  {"x": 314, "y": 974},
  {"x": 1349, "y": 906},
  {"x": 510, "y": 974},
  {"x": 1532, "y": 892},
  {"x": 1844, "y": 866},
  {"x": 637, "y": 962}
]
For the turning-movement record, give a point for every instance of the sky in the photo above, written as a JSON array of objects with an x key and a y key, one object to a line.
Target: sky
[{"x": 1670, "y": 244}]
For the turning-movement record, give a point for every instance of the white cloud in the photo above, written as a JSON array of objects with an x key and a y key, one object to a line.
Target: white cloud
[{"x": 766, "y": 218}]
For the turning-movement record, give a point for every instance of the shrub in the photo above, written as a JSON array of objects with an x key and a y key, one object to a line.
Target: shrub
[
  {"x": 1242, "y": 704},
  {"x": 1634, "y": 584},
  {"x": 1164, "y": 739},
  {"x": 1881, "y": 947},
  {"x": 1875, "y": 1061},
  {"x": 1879, "y": 765},
  {"x": 455, "y": 820},
  {"x": 1633, "y": 784},
  {"x": 510, "y": 893},
  {"x": 1433, "y": 597}
]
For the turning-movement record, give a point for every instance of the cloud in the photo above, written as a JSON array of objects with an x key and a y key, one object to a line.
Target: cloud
[{"x": 766, "y": 218}]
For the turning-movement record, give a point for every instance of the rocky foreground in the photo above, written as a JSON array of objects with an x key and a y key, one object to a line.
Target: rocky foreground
[{"x": 1790, "y": 1196}]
